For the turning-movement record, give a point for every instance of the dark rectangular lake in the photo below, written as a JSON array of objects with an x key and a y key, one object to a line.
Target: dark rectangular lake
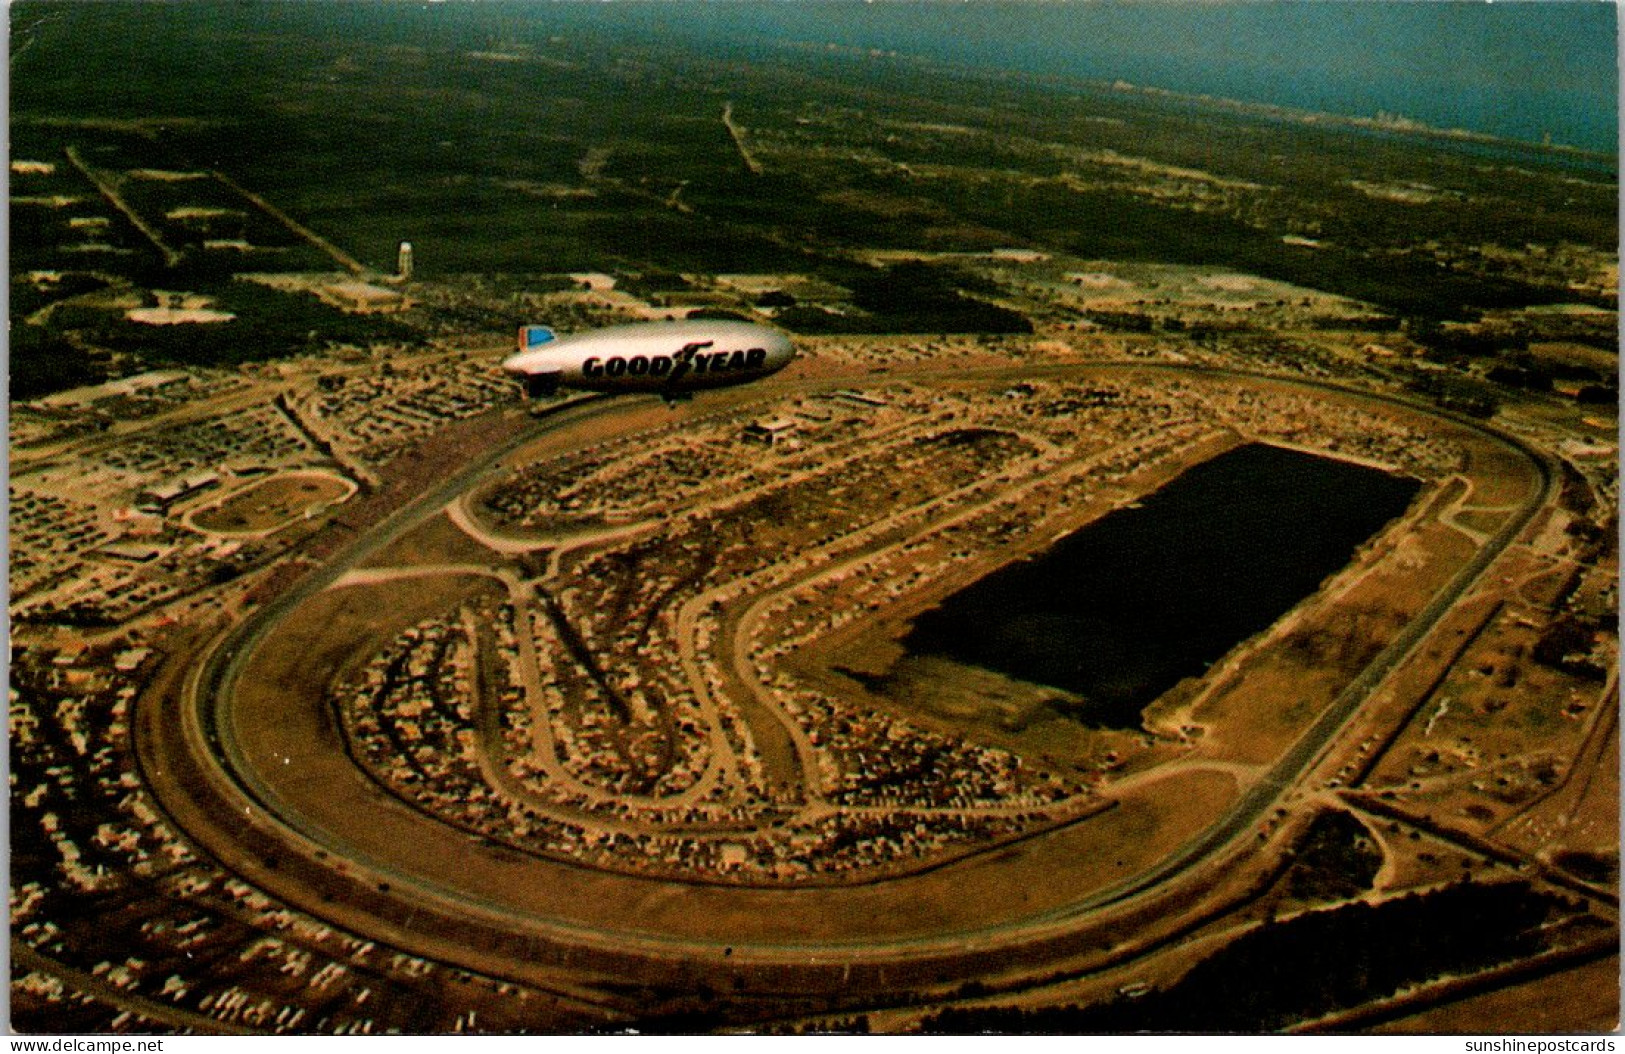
[{"x": 1120, "y": 611}]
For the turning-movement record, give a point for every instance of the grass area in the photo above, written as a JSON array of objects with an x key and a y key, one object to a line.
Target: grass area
[
  {"x": 1310, "y": 965},
  {"x": 436, "y": 541},
  {"x": 1583, "y": 999},
  {"x": 271, "y": 503}
]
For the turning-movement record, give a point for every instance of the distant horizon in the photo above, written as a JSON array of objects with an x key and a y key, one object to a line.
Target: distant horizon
[
  {"x": 1532, "y": 71},
  {"x": 1527, "y": 71}
]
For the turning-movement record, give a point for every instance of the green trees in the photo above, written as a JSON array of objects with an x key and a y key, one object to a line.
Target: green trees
[{"x": 1309, "y": 966}]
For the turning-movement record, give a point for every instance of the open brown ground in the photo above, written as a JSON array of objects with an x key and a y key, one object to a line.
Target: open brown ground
[
  {"x": 1488, "y": 522},
  {"x": 1584, "y": 999},
  {"x": 1269, "y": 700},
  {"x": 1582, "y": 813},
  {"x": 271, "y": 503},
  {"x": 1500, "y": 477},
  {"x": 1574, "y": 354},
  {"x": 940, "y": 694},
  {"x": 1472, "y": 731},
  {"x": 1254, "y": 718},
  {"x": 1539, "y": 583},
  {"x": 1417, "y": 859},
  {"x": 1409, "y": 688},
  {"x": 335, "y": 634},
  {"x": 989, "y": 890},
  {"x": 280, "y": 713},
  {"x": 434, "y": 542},
  {"x": 990, "y": 708}
]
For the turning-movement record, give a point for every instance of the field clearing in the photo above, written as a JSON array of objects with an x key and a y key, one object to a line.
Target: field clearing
[
  {"x": 1478, "y": 520},
  {"x": 1273, "y": 696},
  {"x": 1490, "y": 735},
  {"x": 335, "y": 633},
  {"x": 1583, "y": 999},
  {"x": 1570, "y": 353},
  {"x": 434, "y": 542},
  {"x": 991, "y": 708},
  {"x": 1500, "y": 476},
  {"x": 273, "y": 503},
  {"x": 1582, "y": 813},
  {"x": 1252, "y": 719}
]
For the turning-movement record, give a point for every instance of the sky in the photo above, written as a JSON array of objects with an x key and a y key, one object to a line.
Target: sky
[{"x": 1515, "y": 69}]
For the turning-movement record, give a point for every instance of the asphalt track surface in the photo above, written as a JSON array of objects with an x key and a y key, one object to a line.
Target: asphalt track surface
[{"x": 207, "y": 710}]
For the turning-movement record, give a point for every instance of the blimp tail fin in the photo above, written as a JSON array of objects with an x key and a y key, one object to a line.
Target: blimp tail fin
[{"x": 534, "y": 336}]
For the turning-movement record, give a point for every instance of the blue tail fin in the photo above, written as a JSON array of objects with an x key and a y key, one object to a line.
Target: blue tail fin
[{"x": 534, "y": 336}]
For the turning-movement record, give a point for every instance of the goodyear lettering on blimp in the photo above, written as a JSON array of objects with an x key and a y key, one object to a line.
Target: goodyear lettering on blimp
[
  {"x": 668, "y": 357},
  {"x": 661, "y": 365}
]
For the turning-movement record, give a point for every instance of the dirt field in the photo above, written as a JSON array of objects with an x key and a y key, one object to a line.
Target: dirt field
[
  {"x": 1584, "y": 999},
  {"x": 437, "y": 541},
  {"x": 272, "y": 503}
]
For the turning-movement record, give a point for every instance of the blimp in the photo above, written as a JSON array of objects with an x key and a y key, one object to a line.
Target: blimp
[{"x": 671, "y": 358}]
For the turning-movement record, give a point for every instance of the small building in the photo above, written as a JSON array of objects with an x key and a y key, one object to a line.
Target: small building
[
  {"x": 769, "y": 432},
  {"x": 70, "y": 653},
  {"x": 136, "y": 523},
  {"x": 362, "y": 298},
  {"x": 134, "y": 552},
  {"x": 161, "y": 497},
  {"x": 130, "y": 660},
  {"x": 856, "y": 398}
]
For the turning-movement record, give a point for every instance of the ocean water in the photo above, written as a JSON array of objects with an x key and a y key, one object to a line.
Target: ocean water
[
  {"x": 1520, "y": 70},
  {"x": 1523, "y": 70}
]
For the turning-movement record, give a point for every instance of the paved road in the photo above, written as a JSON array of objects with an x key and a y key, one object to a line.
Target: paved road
[{"x": 212, "y": 694}]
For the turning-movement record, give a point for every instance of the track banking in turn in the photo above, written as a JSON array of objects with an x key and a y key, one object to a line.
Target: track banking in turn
[{"x": 210, "y": 698}]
